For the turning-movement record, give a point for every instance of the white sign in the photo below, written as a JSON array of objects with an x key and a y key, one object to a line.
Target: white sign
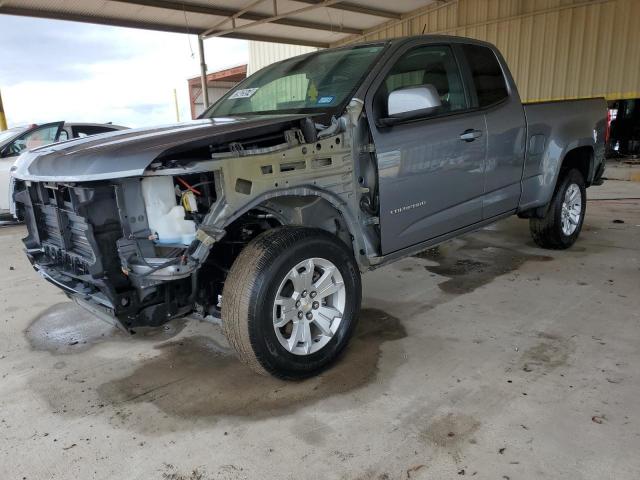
[{"x": 243, "y": 93}]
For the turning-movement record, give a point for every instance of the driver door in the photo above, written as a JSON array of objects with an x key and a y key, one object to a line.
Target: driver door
[{"x": 431, "y": 167}]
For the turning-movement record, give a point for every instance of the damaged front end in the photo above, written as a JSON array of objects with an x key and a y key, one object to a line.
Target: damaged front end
[
  {"x": 94, "y": 241},
  {"x": 154, "y": 243}
]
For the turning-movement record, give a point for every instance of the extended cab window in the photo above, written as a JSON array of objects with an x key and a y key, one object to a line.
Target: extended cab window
[
  {"x": 433, "y": 67},
  {"x": 488, "y": 78}
]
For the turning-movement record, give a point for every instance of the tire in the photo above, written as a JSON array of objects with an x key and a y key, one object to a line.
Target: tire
[
  {"x": 252, "y": 320},
  {"x": 550, "y": 232}
]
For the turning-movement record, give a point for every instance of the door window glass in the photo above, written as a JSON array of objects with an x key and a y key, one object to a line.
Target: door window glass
[
  {"x": 487, "y": 75},
  {"x": 34, "y": 139},
  {"x": 432, "y": 65}
]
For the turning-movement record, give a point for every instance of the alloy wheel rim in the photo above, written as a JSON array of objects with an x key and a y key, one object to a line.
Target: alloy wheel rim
[
  {"x": 571, "y": 209},
  {"x": 309, "y": 306}
]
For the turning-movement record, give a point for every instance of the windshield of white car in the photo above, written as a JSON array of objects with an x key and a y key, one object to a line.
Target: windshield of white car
[{"x": 314, "y": 83}]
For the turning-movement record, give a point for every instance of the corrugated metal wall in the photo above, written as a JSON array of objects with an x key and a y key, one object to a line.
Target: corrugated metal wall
[
  {"x": 216, "y": 90},
  {"x": 262, "y": 54},
  {"x": 556, "y": 49}
]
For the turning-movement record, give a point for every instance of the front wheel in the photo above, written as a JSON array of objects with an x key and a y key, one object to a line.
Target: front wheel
[
  {"x": 560, "y": 227},
  {"x": 290, "y": 301}
]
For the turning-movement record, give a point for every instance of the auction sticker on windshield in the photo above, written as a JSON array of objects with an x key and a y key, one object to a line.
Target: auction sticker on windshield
[
  {"x": 243, "y": 93},
  {"x": 325, "y": 100}
]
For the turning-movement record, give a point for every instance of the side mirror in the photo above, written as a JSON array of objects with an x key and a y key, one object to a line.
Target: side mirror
[
  {"x": 410, "y": 103},
  {"x": 408, "y": 100}
]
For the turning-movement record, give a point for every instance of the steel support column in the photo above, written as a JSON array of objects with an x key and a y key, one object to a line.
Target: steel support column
[
  {"x": 203, "y": 73},
  {"x": 3, "y": 119}
]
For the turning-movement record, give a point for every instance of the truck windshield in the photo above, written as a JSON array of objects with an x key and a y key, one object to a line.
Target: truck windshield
[{"x": 313, "y": 83}]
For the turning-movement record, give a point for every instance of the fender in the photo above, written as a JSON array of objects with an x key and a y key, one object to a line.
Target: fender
[{"x": 221, "y": 216}]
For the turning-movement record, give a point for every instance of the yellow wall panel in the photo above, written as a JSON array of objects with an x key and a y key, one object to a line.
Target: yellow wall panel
[{"x": 555, "y": 48}]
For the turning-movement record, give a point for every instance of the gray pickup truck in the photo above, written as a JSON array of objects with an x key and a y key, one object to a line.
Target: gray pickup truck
[{"x": 265, "y": 211}]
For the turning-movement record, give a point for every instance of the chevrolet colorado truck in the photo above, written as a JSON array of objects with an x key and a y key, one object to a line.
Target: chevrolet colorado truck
[{"x": 265, "y": 210}]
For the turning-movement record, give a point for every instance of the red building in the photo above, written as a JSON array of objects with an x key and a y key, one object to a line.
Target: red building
[{"x": 218, "y": 83}]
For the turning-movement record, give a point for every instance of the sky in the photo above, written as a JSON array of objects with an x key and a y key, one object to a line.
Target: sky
[{"x": 52, "y": 70}]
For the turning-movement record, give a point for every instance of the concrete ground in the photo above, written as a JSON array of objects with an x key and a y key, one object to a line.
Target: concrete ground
[
  {"x": 487, "y": 358},
  {"x": 626, "y": 168}
]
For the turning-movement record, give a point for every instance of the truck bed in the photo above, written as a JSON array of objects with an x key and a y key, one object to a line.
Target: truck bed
[{"x": 554, "y": 128}]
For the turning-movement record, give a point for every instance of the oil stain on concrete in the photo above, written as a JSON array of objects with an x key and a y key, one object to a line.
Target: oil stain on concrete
[
  {"x": 550, "y": 352},
  {"x": 470, "y": 263},
  {"x": 450, "y": 432},
  {"x": 66, "y": 328},
  {"x": 195, "y": 377}
]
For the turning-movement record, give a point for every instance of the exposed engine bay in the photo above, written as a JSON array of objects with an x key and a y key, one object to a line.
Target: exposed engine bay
[{"x": 146, "y": 248}]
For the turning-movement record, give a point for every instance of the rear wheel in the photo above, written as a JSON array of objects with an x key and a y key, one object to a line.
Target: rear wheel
[
  {"x": 290, "y": 301},
  {"x": 561, "y": 226}
]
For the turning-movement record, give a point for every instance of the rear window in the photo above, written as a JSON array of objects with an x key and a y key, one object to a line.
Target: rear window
[{"x": 487, "y": 75}]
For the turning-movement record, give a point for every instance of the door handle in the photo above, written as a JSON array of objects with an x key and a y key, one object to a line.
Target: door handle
[{"x": 470, "y": 135}]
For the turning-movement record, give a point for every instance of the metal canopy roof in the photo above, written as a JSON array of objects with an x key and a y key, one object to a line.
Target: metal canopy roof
[{"x": 317, "y": 23}]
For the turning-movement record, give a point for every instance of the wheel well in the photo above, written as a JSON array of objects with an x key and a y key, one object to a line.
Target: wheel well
[
  {"x": 581, "y": 159},
  {"x": 213, "y": 272},
  {"x": 310, "y": 211}
]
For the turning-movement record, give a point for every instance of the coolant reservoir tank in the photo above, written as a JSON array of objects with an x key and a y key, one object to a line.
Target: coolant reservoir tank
[{"x": 165, "y": 216}]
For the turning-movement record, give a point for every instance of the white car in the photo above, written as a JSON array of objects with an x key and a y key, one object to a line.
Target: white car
[{"x": 15, "y": 140}]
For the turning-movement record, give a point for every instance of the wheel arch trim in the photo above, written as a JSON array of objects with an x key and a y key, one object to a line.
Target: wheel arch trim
[
  {"x": 224, "y": 219},
  {"x": 537, "y": 191}
]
